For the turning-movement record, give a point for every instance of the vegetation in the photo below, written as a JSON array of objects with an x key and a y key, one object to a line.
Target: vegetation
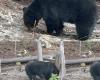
[{"x": 54, "y": 77}]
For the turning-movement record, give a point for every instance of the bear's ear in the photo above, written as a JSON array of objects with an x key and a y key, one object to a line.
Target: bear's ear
[{"x": 24, "y": 9}]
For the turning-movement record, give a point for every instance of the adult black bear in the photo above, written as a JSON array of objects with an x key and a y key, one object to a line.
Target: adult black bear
[
  {"x": 95, "y": 70},
  {"x": 55, "y": 12}
]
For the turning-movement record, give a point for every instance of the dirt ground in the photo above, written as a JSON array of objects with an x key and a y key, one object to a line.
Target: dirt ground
[
  {"x": 18, "y": 73},
  {"x": 15, "y": 40}
]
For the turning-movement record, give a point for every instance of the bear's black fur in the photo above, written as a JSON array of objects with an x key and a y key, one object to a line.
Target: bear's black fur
[
  {"x": 41, "y": 69},
  {"x": 55, "y": 12},
  {"x": 95, "y": 70}
]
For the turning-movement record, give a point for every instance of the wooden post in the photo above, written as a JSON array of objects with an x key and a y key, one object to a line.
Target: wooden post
[
  {"x": 15, "y": 46},
  {"x": 62, "y": 71},
  {"x": 80, "y": 47},
  {"x": 39, "y": 49}
]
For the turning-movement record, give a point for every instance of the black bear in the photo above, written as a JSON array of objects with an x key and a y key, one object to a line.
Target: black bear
[
  {"x": 41, "y": 69},
  {"x": 95, "y": 70},
  {"x": 82, "y": 13}
]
